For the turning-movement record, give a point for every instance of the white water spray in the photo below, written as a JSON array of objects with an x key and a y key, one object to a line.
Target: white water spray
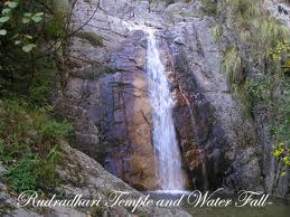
[{"x": 167, "y": 151}]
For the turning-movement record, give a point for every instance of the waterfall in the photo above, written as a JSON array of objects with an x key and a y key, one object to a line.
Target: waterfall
[{"x": 167, "y": 152}]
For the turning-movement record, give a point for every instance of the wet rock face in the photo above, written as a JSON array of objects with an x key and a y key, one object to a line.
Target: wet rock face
[
  {"x": 127, "y": 120},
  {"x": 106, "y": 96},
  {"x": 118, "y": 108},
  {"x": 212, "y": 130}
]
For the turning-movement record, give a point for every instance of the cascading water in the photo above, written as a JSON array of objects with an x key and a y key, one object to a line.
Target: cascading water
[
  {"x": 168, "y": 156},
  {"x": 167, "y": 153}
]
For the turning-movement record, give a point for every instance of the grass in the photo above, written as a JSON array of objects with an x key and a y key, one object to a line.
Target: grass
[
  {"x": 29, "y": 149},
  {"x": 255, "y": 62},
  {"x": 210, "y": 7},
  {"x": 30, "y": 133}
]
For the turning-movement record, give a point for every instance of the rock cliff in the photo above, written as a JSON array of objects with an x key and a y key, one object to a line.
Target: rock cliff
[{"x": 106, "y": 94}]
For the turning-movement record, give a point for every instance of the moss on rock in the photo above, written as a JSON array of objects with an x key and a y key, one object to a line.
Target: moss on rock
[{"x": 92, "y": 37}]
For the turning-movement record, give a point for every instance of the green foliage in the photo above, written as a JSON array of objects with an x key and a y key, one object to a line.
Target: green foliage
[
  {"x": 217, "y": 32},
  {"x": 55, "y": 28},
  {"x": 13, "y": 18},
  {"x": 210, "y": 7},
  {"x": 22, "y": 175},
  {"x": 92, "y": 37},
  {"x": 232, "y": 64},
  {"x": 29, "y": 141},
  {"x": 42, "y": 85},
  {"x": 282, "y": 153},
  {"x": 31, "y": 37},
  {"x": 259, "y": 89},
  {"x": 260, "y": 34},
  {"x": 61, "y": 8},
  {"x": 273, "y": 93},
  {"x": 32, "y": 172},
  {"x": 258, "y": 63}
]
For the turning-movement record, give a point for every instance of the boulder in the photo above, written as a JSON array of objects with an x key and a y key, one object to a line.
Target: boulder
[{"x": 80, "y": 174}]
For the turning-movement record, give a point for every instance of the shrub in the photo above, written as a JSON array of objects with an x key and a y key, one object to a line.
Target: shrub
[
  {"x": 32, "y": 40},
  {"x": 257, "y": 64},
  {"x": 22, "y": 175},
  {"x": 29, "y": 145}
]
